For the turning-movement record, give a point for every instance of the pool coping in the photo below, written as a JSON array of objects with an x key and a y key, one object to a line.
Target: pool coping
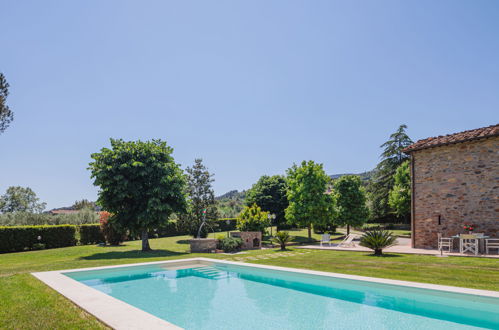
[{"x": 120, "y": 315}]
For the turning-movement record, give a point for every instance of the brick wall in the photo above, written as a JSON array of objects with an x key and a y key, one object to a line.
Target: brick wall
[{"x": 459, "y": 182}]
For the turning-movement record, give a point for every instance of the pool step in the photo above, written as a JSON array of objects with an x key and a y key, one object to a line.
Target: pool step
[{"x": 211, "y": 273}]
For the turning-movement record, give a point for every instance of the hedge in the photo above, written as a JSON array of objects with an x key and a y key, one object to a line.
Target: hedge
[
  {"x": 223, "y": 226},
  {"x": 91, "y": 234},
  {"x": 21, "y": 238}
]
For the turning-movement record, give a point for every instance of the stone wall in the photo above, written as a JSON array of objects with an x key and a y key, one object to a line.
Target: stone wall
[
  {"x": 203, "y": 245},
  {"x": 457, "y": 184},
  {"x": 251, "y": 239}
]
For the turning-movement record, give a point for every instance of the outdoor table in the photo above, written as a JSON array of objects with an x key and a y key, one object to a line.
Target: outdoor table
[{"x": 480, "y": 241}]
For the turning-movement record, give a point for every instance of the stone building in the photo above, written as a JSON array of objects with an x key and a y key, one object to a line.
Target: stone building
[{"x": 455, "y": 181}]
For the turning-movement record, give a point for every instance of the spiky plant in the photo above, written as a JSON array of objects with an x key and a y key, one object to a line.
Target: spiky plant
[
  {"x": 281, "y": 238},
  {"x": 377, "y": 239}
]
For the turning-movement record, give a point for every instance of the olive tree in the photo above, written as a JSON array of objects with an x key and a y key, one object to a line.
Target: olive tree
[{"x": 140, "y": 184}]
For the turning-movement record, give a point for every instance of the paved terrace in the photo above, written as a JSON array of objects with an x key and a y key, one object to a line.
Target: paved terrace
[{"x": 403, "y": 246}]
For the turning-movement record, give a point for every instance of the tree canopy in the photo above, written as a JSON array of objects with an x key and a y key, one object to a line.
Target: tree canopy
[
  {"x": 391, "y": 158},
  {"x": 350, "y": 202},
  {"x": 20, "y": 199},
  {"x": 308, "y": 201},
  {"x": 83, "y": 204},
  {"x": 6, "y": 115},
  {"x": 252, "y": 218},
  {"x": 399, "y": 198},
  {"x": 140, "y": 184},
  {"x": 269, "y": 192}
]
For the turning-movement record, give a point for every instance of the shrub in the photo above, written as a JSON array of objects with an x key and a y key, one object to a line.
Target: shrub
[
  {"x": 38, "y": 246},
  {"x": 377, "y": 239},
  {"x": 230, "y": 244},
  {"x": 84, "y": 216},
  {"x": 91, "y": 234},
  {"x": 281, "y": 238},
  {"x": 222, "y": 224},
  {"x": 252, "y": 218},
  {"x": 322, "y": 229},
  {"x": 21, "y": 238},
  {"x": 112, "y": 234},
  {"x": 171, "y": 228}
]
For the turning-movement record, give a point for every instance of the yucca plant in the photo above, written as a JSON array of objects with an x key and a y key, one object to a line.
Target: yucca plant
[
  {"x": 281, "y": 238},
  {"x": 377, "y": 239}
]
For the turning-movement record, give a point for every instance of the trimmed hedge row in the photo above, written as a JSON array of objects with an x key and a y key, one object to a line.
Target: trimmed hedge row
[
  {"x": 24, "y": 238},
  {"x": 91, "y": 234},
  {"x": 21, "y": 238}
]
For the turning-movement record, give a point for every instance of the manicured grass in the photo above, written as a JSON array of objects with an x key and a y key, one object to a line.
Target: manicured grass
[
  {"x": 301, "y": 236},
  {"x": 405, "y": 233},
  {"x": 477, "y": 273},
  {"x": 26, "y": 303}
]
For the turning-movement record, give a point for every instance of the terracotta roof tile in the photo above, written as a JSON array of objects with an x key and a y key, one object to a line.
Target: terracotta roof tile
[{"x": 474, "y": 134}]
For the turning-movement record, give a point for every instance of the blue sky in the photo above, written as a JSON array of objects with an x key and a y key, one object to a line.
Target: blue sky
[{"x": 249, "y": 86}]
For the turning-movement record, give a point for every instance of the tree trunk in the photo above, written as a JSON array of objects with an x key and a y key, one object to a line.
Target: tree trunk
[
  {"x": 309, "y": 231},
  {"x": 145, "y": 241},
  {"x": 348, "y": 230},
  {"x": 378, "y": 252}
]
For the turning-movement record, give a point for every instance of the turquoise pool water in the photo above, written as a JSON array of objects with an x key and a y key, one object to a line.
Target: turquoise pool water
[{"x": 222, "y": 296}]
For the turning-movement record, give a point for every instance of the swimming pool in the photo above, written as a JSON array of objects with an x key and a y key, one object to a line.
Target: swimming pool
[{"x": 209, "y": 294}]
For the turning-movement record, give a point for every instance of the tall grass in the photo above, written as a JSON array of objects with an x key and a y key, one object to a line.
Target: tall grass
[{"x": 33, "y": 219}]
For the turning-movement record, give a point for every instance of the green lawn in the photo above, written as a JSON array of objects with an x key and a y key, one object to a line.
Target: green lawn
[{"x": 26, "y": 303}]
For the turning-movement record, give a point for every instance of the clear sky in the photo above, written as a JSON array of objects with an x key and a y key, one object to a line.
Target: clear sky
[{"x": 249, "y": 86}]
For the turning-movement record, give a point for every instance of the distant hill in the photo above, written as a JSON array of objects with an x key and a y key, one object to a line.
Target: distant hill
[
  {"x": 231, "y": 203},
  {"x": 233, "y": 194},
  {"x": 240, "y": 195},
  {"x": 364, "y": 176}
]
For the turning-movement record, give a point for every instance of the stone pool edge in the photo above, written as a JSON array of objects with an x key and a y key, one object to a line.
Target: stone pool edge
[{"x": 120, "y": 315}]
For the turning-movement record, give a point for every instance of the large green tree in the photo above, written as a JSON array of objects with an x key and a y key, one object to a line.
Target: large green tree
[
  {"x": 140, "y": 184},
  {"x": 6, "y": 115},
  {"x": 399, "y": 198},
  {"x": 20, "y": 199},
  {"x": 350, "y": 199},
  {"x": 308, "y": 201},
  {"x": 202, "y": 204},
  {"x": 382, "y": 182},
  {"x": 270, "y": 194}
]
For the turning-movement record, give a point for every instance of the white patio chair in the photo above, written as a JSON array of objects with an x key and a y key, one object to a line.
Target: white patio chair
[
  {"x": 445, "y": 243},
  {"x": 469, "y": 242},
  {"x": 492, "y": 243},
  {"x": 326, "y": 238},
  {"x": 348, "y": 241}
]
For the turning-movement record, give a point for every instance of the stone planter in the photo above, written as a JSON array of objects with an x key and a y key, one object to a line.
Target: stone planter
[{"x": 203, "y": 245}]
